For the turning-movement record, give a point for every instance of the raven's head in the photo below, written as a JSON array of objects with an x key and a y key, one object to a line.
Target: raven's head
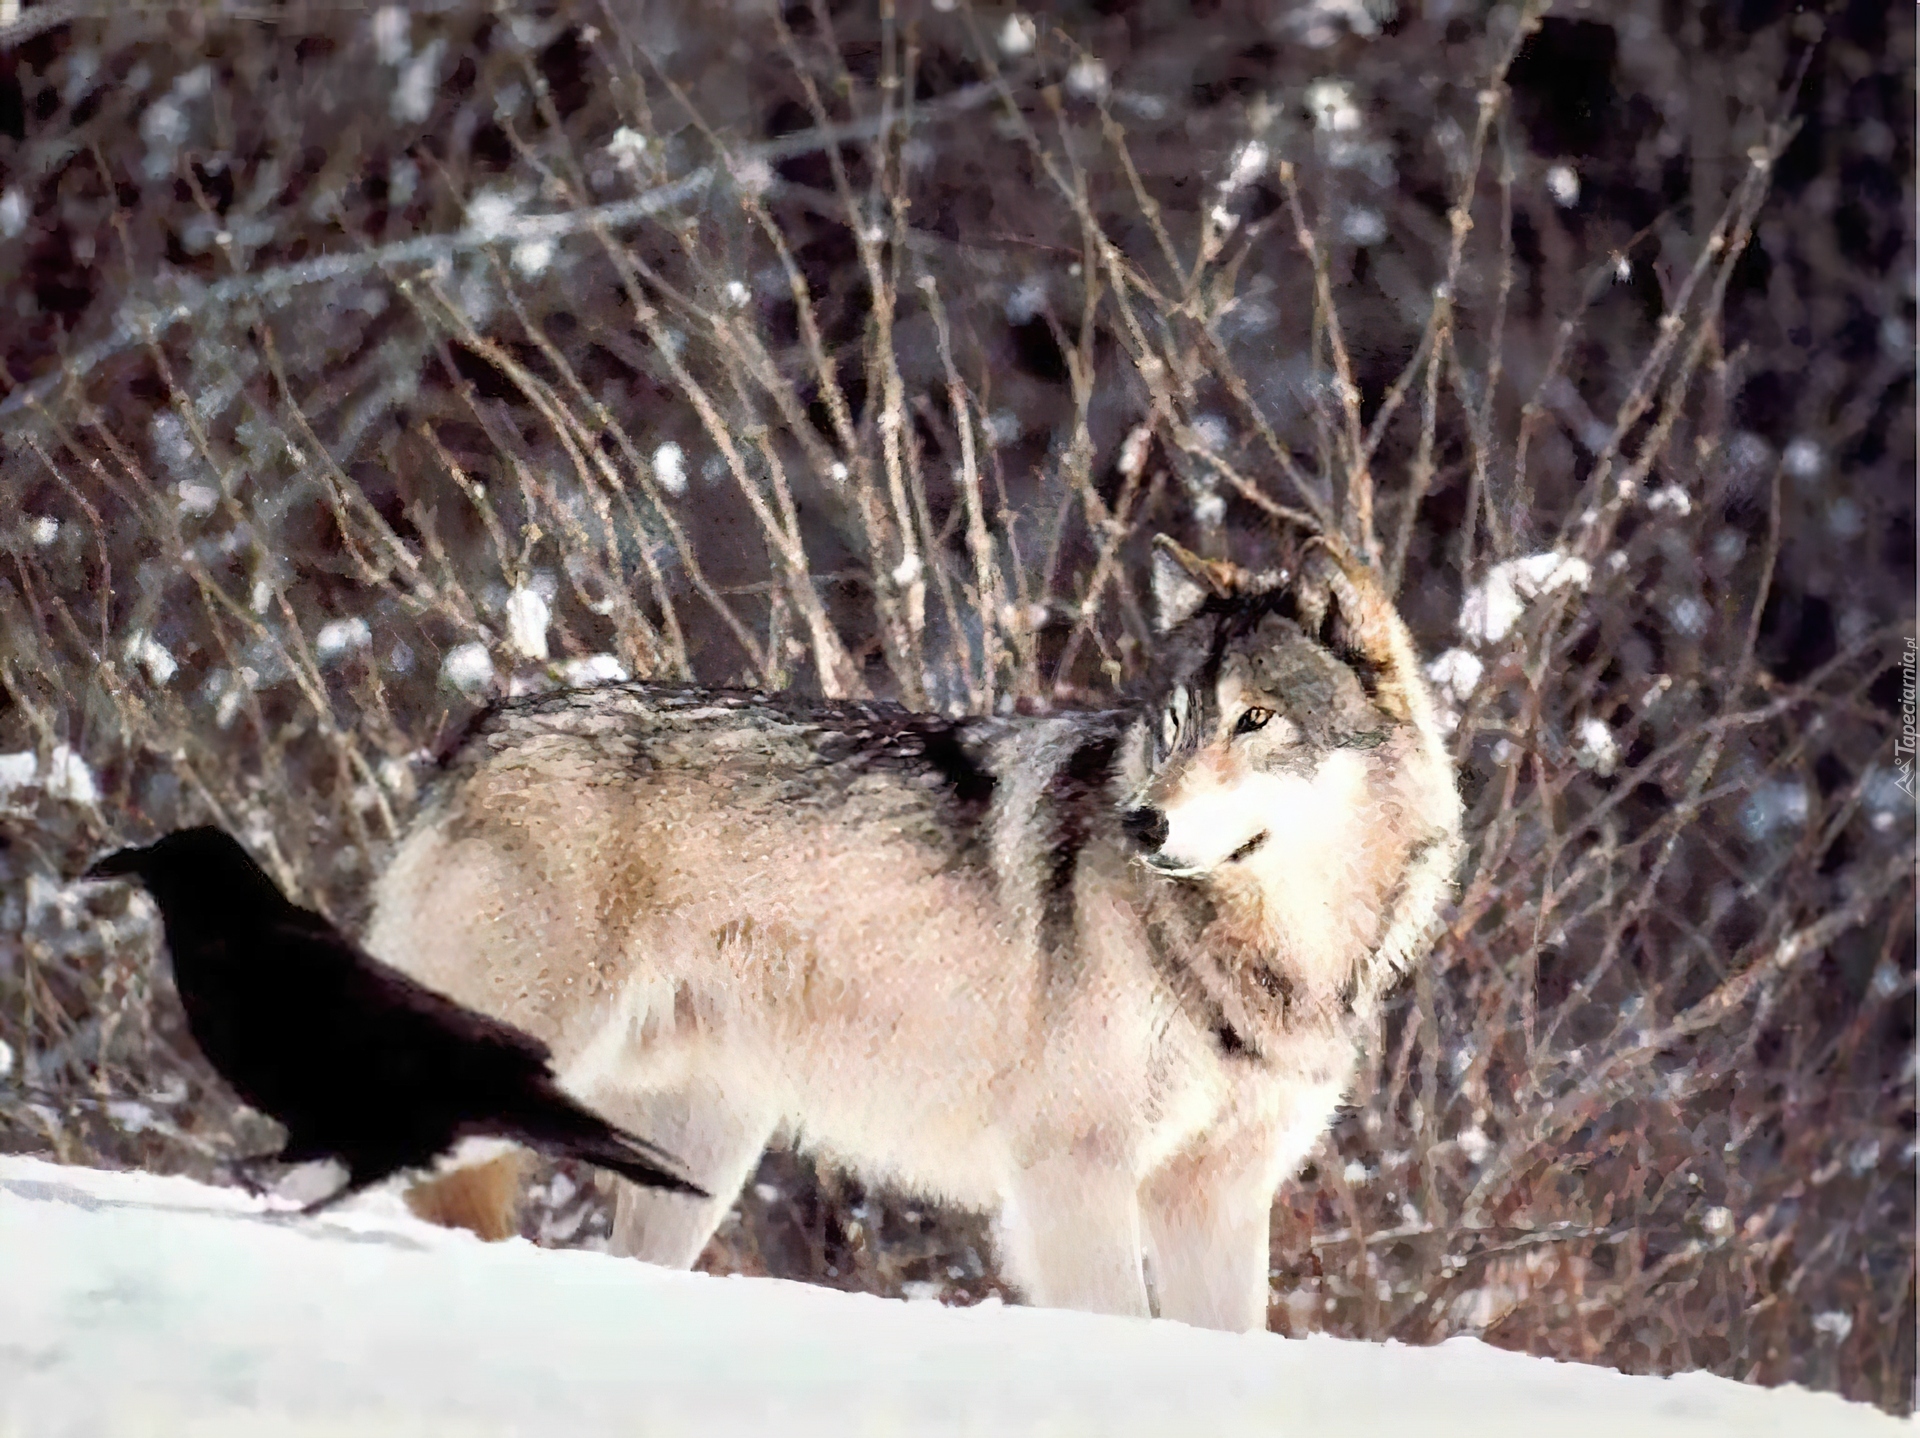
[
  {"x": 120, "y": 864},
  {"x": 206, "y": 860}
]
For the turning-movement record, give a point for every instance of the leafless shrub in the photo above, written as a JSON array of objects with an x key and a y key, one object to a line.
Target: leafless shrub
[{"x": 475, "y": 354}]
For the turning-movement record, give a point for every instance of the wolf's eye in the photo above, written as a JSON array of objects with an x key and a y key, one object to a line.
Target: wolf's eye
[{"x": 1255, "y": 718}]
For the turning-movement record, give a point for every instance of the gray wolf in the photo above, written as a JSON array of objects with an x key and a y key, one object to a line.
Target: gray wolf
[
  {"x": 1103, "y": 974},
  {"x": 359, "y": 1062}
]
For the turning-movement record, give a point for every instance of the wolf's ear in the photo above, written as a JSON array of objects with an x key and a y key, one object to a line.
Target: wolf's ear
[
  {"x": 1342, "y": 605},
  {"x": 1183, "y": 581}
]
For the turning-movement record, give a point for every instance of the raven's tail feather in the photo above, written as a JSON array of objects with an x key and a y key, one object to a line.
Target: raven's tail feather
[{"x": 562, "y": 1128}]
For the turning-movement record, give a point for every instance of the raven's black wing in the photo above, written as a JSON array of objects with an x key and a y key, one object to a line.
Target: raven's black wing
[
  {"x": 393, "y": 1002},
  {"x": 399, "y": 1043}
]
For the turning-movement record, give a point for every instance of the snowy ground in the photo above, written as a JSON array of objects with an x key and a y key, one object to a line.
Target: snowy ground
[{"x": 139, "y": 1305}]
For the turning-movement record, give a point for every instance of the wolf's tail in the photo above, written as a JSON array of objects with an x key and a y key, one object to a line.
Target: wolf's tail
[{"x": 561, "y": 1128}]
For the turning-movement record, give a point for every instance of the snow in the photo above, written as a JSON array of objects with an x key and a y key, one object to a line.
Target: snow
[
  {"x": 1457, "y": 672},
  {"x": 137, "y": 1304},
  {"x": 468, "y": 667},
  {"x": 1331, "y": 104},
  {"x": 391, "y": 27},
  {"x": 13, "y": 213},
  {"x": 527, "y": 619},
  {"x": 1490, "y": 609},
  {"x": 342, "y": 636},
  {"x": 531, "y": 257},
  {"x": 18, "y": 770},
  {"x": 1088, "y": 78},
  {"x": 670, "y": 468},
  {"x": 627, "y": 148},
  {"x": 1249, "y": 164},
  {"x": 1804, "y": 459},
  {"x": 1595, "y": 747},
  {"x": 594, "y": 669},
  {"x": 68, "y": 777},
  {"x": 1671, "y": 499},
  {"x": 196, "y": 501},
  {"x": 491, "y": 211}
]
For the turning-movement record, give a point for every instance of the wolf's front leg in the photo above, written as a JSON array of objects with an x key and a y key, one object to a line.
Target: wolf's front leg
[
  {"x": 1069, "y": 1236},
  {"x": 1207, "y": 1215}
]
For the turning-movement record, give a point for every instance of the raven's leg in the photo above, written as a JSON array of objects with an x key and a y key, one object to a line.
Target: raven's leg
[
  {"x": 240, "y": 1171},
  {"x": 244, "y": 1169}
]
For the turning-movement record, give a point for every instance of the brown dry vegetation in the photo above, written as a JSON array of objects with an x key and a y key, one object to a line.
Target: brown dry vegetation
[{"x": 328, "y": 331}]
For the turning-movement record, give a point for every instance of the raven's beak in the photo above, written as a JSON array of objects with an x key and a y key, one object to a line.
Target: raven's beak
[{"x": 117, "y": 865}]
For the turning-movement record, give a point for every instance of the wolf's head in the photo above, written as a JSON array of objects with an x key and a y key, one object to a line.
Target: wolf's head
[{"x": 1278, "y": 698}]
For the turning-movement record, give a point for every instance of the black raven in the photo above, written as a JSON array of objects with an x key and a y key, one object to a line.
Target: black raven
[{"x": 358, "y": 1061}]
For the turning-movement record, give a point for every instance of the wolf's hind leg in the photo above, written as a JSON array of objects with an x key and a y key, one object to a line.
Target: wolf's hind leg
[
  {"x": 717, "y": 1135},
  {"x": 1069, "y": 1236},
  {"x": 482, "y": 1197}
]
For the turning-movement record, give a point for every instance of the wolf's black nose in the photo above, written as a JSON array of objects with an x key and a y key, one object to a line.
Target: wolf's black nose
[{"x": 1146, "y": 827}]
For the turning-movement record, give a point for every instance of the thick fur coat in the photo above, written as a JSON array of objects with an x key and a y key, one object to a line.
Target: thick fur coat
[{"x": 1102, "y": 974}]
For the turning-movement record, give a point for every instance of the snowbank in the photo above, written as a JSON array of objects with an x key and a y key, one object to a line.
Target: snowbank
[{"x": 138, "y": 1305}]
